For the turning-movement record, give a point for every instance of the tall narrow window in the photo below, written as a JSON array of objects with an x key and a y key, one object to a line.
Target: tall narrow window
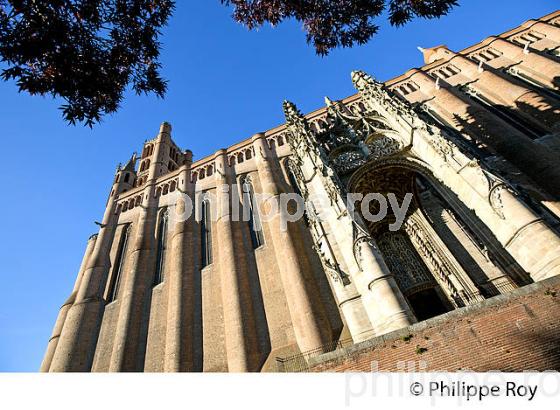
[
  {"x": 255, "y": 226},
  {"x": 161, "y": 247},
  {"x": 206, "y": 234},
  {"x": 118, "y": 267}
]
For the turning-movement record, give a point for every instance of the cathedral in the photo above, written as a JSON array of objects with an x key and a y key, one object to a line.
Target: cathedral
[{"x": 470, "y": 142}]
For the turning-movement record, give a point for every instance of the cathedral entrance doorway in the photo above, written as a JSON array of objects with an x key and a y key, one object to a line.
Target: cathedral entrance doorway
[{"x": 438, "y": 261}]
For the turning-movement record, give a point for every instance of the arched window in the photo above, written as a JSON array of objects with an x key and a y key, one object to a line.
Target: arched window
[
  {"x": 161, "y": 247},
  {"x": 126, "y": 177},
  {"x": 118, "y": 266},
  {"x": 205, "y": 234},
  {"x": 146, "y": 151},
  {"x": 250, "y": 204}
]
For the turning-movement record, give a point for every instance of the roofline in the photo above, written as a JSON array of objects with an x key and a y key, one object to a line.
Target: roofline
[{"x": 318, "y": 112}]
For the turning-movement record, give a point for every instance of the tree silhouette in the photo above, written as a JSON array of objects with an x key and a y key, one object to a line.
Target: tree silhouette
[
  {"x": 84, "y": 51},
  {"x": 88, "y": 52},
  {"x": 336, "y": 23}
]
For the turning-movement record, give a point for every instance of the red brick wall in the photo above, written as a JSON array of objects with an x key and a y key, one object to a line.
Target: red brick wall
[{"x": 514, "y": 332}]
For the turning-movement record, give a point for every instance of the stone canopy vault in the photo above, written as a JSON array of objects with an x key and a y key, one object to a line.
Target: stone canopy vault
[
  {"x": 470, "y": 144},
  {"x": 382, "y": 144}
]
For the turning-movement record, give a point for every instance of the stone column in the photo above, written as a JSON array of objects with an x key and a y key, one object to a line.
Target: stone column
[
  {"x": 347, "y": 297},
  {"x": 180, "y": 306},
  {"x": 448, "y": 221},
  {"x": 239, "y": 318},
  {"x": 134, "y": 295},
  {"x": 124, "y": 356},
  {"x": 77, "y": 341},
  {"x": 522, "y": 233},
  {"x": 447, "y": 271},
  {"x": 385, "y": 304},
  {"x": 311, "y": 325},
  {"x": 53, "y": 341},
  {"x": 532, "y": 243}
]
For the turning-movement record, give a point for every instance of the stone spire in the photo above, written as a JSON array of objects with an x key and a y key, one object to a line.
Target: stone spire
[{"x": 131, "y": 164}]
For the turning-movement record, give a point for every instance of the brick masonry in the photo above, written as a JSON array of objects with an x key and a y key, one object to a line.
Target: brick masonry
[
  {"x": 514, "y": 332},
  {"x": 161, "y": 304}
]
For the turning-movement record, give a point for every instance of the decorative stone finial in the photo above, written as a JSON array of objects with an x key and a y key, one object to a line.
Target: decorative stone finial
[
  {"x": 362, "y": 80},
  {"x": 290, "y": 109},
  {"x": 165, "y": 128},
  {"x": 292, "y": 114}
]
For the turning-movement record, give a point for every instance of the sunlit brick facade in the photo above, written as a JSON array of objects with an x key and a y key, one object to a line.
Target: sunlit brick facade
[{"x": 473, "y": 135}]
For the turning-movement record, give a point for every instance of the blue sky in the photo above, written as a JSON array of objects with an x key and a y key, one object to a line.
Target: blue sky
[{"x": 225, "y": 84}]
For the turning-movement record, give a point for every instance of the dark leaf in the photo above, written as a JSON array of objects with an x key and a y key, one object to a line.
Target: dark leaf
[
  {"x": 335, "y": 23},
  {"x": 86, "y": 52}
]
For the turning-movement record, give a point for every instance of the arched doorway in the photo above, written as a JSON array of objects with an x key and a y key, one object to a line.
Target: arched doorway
[
  {"x": 439, "y": 264},
  {"x": 415, "y": 280}
]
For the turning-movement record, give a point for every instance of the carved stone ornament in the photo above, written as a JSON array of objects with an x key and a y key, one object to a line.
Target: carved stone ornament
[
  {"x": 495, "y": 199},
  {"x": 331, "y": 266},
  {"x": 295, "y": 169},
  {"x": 353, "y": 135},
  {"x": 361, "y": 238},
  {"x": 432, "y": 257},
  {"x": 375, "y": 94},
  {"x": 383, "y": 147}
]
